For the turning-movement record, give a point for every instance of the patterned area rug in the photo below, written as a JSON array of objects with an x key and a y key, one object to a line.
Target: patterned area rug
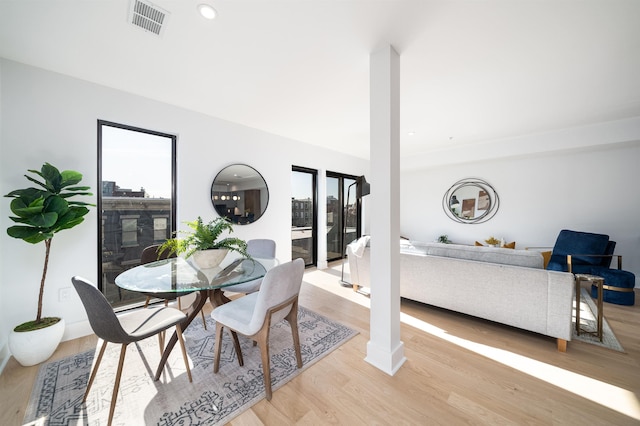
[
  {"x": 211, "y": 399},
  {"x": 588, "y": 310}
]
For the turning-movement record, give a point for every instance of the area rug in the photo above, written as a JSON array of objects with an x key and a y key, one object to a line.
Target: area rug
[
  {"x": 588, "y": 310},
  {"x": 211, "y": 399}
]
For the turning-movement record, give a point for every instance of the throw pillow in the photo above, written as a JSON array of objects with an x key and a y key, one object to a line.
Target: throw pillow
[{"x": 511, "y": 245}]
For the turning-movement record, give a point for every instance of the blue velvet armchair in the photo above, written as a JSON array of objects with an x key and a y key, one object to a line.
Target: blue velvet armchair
[{"x": 588, "y": 253}]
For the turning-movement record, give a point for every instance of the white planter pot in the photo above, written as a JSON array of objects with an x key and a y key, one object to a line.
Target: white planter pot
[
  {"x": 33, "y": 347},
  {"x": 209, "y": 258}
]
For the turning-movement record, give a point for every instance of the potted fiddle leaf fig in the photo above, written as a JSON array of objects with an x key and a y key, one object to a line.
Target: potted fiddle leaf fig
[
  {"x": 204, "y": 243},
  {"x": 40, "y": 213}
]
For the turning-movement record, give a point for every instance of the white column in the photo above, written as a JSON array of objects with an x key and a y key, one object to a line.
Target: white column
[
  {"x": 384, "y": 349},
  {"x": 322, "y": 219}
]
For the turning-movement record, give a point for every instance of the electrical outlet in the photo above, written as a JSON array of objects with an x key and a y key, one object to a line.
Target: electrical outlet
[{"x": 64, "y": 294}]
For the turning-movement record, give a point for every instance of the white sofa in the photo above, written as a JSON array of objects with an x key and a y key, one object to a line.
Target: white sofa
[{"x": 503, "y": 285}]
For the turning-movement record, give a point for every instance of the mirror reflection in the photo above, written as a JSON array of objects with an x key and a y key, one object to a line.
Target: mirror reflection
[
  {"x": 470, "y": 201},
  {"x": 240, "y": 193}
]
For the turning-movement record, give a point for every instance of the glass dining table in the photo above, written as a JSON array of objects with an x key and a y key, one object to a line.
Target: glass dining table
[{"x": 176, "y": 277}]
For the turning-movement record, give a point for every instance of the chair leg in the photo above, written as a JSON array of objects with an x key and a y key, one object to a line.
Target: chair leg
[
  {"x": 216, "y": 357},
  {"x": 161, "y": 336},
  {"x": 236, "y": 346},
  {"x": 184, "y": 350},
  {"x": 95, "y": 370},
  {"x": 292, "y": 319},
  {"x": 116, "y": 384},
  {"x": 263, "y": 342},
  {"x": 204, "y": 321}
]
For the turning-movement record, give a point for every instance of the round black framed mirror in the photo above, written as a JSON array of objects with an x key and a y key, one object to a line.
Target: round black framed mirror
[
  {"x": 471, "y": 200},
  {"x": 240, "y": 193}
]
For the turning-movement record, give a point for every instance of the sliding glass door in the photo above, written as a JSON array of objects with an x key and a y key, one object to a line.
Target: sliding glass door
[
  {"x": 342, "y": 214},
  {"x": 304, "y": 215}
]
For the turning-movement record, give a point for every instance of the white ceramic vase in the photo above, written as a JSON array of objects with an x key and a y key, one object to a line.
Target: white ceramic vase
[
  {"x": 209, "y": 258},
  {"x": 33, "y": 347}
]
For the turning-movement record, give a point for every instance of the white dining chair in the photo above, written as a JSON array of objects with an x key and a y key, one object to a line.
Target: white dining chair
[
  {"x": 254, "y": 314},
  {"x": 263, "y": 251}
]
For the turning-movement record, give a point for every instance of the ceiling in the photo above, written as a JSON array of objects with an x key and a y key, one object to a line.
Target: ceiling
[{"x": 472, "y": 71}]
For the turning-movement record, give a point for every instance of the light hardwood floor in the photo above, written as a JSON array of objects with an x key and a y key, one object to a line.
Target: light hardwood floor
[{"x": 459, "y": 370}]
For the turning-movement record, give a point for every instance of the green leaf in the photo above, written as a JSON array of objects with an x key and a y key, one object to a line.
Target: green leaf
[
  {"x": 52, "y": 176},
  {"x": 80, "y": 203},
  {"x": 22, "y": 232},
  {"x": 79, "y": 188},
  {"x": 71, "y": 218},
  {"x": 56, "y": 204},
  {"x": 70, "y": 177},
  {"x": 39, "y": 237},
  {"x": 19, "y": 208},
  {"x": 45, "y": 220},
  {"x": 48, "y": 188},
  {"x": 28, "y": 194},
  {"x": 73, "y": 194},
  {"x": 19, "y": 219},
  {"x": 69, "y": 224}
]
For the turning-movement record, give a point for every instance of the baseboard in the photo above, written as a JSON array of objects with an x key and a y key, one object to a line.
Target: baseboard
[{"x": 77, "y": 330}]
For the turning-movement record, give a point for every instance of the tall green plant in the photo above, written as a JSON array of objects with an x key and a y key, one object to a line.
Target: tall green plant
[
  {"x": 44, "y": 211},
  {"x": 204, "y": 236}
]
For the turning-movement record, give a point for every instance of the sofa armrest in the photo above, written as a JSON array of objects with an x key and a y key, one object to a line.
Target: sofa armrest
[{"x": 545, "y": 252}]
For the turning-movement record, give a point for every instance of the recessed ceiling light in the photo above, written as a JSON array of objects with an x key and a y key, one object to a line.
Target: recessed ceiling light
[
  {"x": 207, "y": 11},
  {"x": 411, "y": 133}
]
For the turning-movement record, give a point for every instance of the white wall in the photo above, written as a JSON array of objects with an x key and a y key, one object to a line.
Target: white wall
[
  {"x": 51, "y": 117},
  {"x": 591, "y": 190},
  {"x": 4, "y": 350}
]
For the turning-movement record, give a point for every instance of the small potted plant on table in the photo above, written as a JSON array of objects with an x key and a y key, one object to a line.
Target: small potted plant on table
[{"x": 204, "y": 243}]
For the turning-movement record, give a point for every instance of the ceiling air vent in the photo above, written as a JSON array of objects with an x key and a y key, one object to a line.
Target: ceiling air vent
[{"x": 148, "y": 16}]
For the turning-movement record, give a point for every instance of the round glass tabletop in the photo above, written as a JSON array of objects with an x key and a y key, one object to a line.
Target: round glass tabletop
[{"x": 177, "y": 275}]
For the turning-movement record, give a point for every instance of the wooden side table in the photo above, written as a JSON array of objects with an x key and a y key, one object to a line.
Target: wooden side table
[{"x": 598, "y": 281}]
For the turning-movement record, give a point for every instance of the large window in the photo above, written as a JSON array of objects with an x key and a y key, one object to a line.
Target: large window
[
  {"x": 304, "y": 221},
  {"x": 137, "y": 173}
]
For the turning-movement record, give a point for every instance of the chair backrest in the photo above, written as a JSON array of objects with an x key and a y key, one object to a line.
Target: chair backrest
[
  {"x": 280, "y": 284},
  {"x": 577, "y": 243},
  {"x": 262, "y": 248},
  {"x": 150, "y": 254},
  {"x": 102, "y": 318}
]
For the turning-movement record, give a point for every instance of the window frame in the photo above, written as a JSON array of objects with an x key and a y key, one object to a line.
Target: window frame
[
  {"x": 171, "y": 218},
  {"x": 314, "y": 228},
  {"x": 342, "y": 199}
]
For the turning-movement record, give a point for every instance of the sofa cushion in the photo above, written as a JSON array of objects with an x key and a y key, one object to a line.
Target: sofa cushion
[
  {"x": 526, "y": 258},
  {"x": 359, "y": 245}
]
